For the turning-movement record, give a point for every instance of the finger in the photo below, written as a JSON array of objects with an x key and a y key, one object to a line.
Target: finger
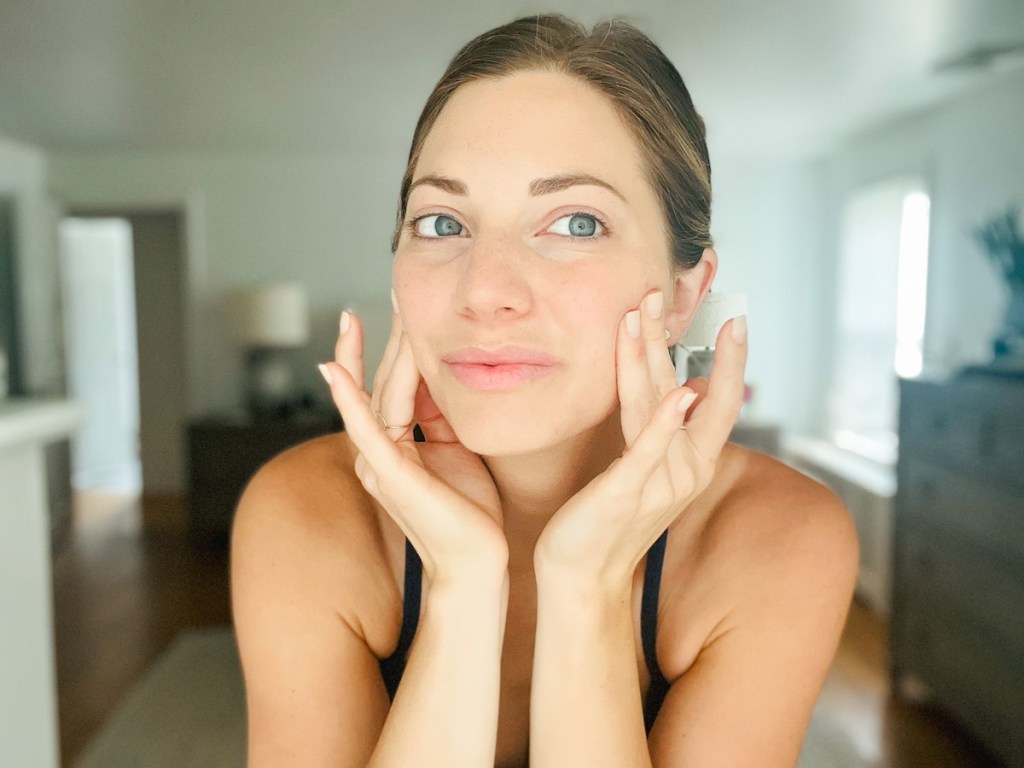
[
  {"x": 700, "y": 386},
  {"x": 379, "y": 462},
  {"x": 382, "y": 469},
  {"x": 636, "y": 398},
  {"x": 713, "y": 420},
  {"x": 360, "y": 422},
  {"x": 397, "y": 392},
  {"x": 348, "y": 350},
  {"x": 387, "y": 360},
  {"x": 433, "y": 424},
  {"x": 651, "y": 446},
  {"x": 660, "y": 368}
]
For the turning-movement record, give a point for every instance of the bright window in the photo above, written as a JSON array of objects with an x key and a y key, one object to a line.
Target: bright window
[{"x": 881, "y": 310}]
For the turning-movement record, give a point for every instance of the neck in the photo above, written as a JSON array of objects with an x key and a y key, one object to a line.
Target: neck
[{"x": 533, "y": 486}]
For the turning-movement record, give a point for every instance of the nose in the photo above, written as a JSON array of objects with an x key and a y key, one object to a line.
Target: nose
[{"x": 494, "y": 281}]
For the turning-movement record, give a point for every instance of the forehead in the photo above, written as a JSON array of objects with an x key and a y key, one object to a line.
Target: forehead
[{"x": 532, "y": 124}]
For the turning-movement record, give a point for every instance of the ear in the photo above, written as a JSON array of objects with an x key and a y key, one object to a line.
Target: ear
[{"x": 688, "y": 291}]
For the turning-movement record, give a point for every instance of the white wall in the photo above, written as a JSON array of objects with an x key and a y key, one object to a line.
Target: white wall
[
  {"x": 768, "y": 223},
  {"x": 325, "y": 220}
]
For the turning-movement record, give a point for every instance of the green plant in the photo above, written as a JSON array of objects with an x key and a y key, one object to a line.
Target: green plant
[{"x": 1001, "y": 239}]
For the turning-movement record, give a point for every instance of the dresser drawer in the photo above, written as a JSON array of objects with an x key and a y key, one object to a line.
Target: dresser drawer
[
  {"x": 940, "y": 422},
  {"x": 957, "y": 662},
  {"x": 957, "y": 621},
  {"x": 1001, "y": 444},
  {"x": 962, "y": 505},
  {"x": 968, "y": 423},
  {"x": 961, "y": 581}
]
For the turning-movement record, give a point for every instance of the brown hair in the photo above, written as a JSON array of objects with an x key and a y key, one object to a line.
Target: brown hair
[{"x": 643, "y": 85}]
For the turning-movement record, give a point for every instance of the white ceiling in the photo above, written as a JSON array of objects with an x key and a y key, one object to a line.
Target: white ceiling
[{"x": 781, "y": 76}]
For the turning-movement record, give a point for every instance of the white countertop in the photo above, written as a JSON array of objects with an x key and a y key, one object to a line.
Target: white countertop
[{"x": 26, "y": 420}]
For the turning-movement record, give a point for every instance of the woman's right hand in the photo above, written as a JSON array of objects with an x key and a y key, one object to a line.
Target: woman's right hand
[{"x": 439, "y": 493}]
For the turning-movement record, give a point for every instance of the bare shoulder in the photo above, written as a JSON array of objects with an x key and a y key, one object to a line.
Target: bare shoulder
[
  {"x": 306, "y": 516},
  {"x": 776, "y": 514},
  {"x": 771, "y": 582},
  {"x": 764, "y": 543},
  {"x": 779, "y": 536},
  {"x": 308, "y": 588}
]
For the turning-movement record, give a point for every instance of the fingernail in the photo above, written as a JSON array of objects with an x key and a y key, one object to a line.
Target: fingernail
[
  {"x": 326, "y": 373},
  {"x": 686, "y": 402},
  {"x": 346, "y": 320},
  {"x": 633, "y": 324},
  {"x": 394, "y": 301},
  {"x": 655, "y": 303},
  {"x": 739, "y": 329}
]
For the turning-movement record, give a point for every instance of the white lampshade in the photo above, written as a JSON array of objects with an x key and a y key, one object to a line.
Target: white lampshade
[{"x": 271, "y": 315}]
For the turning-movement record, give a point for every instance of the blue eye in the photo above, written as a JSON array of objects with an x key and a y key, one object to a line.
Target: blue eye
[
  {"x": 580, "y": 225},
  {"x": 435, "y": 225}
]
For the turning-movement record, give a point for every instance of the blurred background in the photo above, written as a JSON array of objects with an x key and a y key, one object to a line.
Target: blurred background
[{"x": 190, "y": 193}]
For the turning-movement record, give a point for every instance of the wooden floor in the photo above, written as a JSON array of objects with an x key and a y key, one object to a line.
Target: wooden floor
[{"x": 126, "y": 581}]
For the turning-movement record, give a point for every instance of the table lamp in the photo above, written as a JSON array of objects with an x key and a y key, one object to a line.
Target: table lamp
[{"x": 268, "y": 319}]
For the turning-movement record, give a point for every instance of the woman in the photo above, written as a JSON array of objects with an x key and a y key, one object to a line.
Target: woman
[{"x": 604, "y": 583}]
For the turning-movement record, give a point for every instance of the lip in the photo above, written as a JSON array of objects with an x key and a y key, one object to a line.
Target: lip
[
  {"x": 504, "y": 368},
  {"x": 501, "y": 356}
]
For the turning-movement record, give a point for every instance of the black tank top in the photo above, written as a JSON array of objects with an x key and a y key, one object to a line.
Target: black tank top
[{"x": 391, "y": 668}]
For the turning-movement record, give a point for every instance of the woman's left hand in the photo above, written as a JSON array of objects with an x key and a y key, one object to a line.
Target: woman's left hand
[{"x": 603, "y": 532}]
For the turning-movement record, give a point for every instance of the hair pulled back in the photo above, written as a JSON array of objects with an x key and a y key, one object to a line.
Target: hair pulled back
[{"x": 636, "y": 77}]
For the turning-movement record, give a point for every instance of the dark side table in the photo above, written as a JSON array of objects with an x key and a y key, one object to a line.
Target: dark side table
[{"x": 226, "y": 450}]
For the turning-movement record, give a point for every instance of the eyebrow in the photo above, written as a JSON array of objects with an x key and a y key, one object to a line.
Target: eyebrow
[{"x": 543, "y": 186}]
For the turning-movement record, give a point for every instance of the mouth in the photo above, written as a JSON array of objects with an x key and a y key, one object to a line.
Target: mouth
[{"x": 504, "y": 368}]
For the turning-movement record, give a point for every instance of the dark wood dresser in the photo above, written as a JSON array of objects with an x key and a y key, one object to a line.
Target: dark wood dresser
[
  {"x": 957, "y": 622},
  {"x": 224, "y": 452}
]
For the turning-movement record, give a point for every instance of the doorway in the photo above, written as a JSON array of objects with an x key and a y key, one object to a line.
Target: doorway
[
  {"x": 123, "y": 285},
  {"x": 10, "y": 344}
]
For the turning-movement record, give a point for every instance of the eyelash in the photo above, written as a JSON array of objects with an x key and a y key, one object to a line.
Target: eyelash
[{"x": 411, "y": 225}]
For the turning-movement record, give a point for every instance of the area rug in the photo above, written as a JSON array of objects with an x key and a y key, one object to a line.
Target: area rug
[{"x": 189, "y": 712}]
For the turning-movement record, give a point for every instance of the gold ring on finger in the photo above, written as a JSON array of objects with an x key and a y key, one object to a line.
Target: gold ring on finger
[{"x": 383, "y": 423}]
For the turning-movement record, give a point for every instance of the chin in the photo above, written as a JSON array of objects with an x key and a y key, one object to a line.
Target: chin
[
  {"x": 507, "y": 428},
  {"x": 490, "y": 441}
]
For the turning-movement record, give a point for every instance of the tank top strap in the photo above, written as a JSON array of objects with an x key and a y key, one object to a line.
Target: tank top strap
[
  {"x": 393, "y": 666},
  {"x": 649, "y": 629}
]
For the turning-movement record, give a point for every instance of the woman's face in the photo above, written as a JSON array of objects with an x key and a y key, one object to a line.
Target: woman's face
[{"x": 511, "y": 283}]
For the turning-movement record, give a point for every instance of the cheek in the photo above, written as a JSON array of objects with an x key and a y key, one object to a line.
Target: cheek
[
  {"x": 418, "y": 293},
  {"x": 598, "y": 303},
  {"x": 594, "y": 309}
]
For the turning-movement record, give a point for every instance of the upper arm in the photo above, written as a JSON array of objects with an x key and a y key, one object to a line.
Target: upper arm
[
  {"x": 749, "y": 696},
  {"x": 314, "y": 695}
]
